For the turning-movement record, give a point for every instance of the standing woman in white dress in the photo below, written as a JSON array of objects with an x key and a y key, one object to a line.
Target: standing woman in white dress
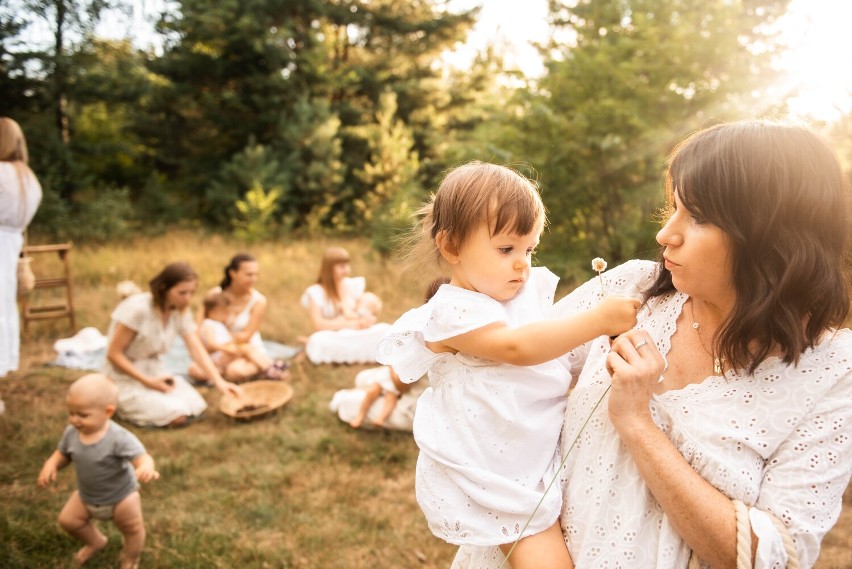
[
  {"x": 143, "y": 328},
  {"x": 343, "y": 313},
  {"x": 20, "y": 195},
  {"x": 725, "y": 417}
]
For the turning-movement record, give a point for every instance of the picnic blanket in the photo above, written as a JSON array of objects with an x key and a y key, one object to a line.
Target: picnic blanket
[{"x": 86, "y": 350}]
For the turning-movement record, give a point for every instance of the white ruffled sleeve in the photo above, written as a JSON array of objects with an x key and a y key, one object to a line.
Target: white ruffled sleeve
[
  {"x": 451, "y": 312},
  {"x": 806, "y": 476},
  {"x": 313, "y": 294}
]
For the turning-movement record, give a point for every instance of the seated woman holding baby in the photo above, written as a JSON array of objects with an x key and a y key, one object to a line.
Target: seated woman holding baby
[
  {"x": 343, "y": 313},
  {"x": 230, "y": 328}
]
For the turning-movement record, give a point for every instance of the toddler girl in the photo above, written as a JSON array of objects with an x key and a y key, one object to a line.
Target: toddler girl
[{"x": 489, "y": 424}]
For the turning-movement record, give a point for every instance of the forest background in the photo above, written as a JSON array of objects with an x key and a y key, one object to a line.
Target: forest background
[{"x": 301, "y": 118}]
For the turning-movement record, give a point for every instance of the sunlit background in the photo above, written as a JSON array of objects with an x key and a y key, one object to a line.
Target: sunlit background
[
  {"x": 817, "y": 61},
  {"x": 816, "y": 35}
]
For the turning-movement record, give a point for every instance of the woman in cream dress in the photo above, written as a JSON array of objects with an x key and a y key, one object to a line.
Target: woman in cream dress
[{"x": 142, "y": 330}]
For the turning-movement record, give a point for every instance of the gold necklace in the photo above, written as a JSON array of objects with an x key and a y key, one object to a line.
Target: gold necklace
[{"x": 718, "y": 362}]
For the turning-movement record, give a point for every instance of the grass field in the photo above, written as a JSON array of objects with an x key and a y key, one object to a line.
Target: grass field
[{"x": 298, "y": 489}]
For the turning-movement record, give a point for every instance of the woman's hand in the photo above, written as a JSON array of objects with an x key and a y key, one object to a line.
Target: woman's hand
[
  {"x": 227, "y": 387},
  {"x": 164, "y": 383},
  {"x": 635, "y": 365}
]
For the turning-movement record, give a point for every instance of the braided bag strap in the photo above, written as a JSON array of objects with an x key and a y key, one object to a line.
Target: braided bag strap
[{"x": 744, "y": 541}]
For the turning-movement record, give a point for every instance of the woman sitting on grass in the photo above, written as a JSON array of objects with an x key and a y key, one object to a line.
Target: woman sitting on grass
[
  {"x": 343, "y": 314},
  {"x": 247, "y": 307},
  {"x": 143, "y": 328}
]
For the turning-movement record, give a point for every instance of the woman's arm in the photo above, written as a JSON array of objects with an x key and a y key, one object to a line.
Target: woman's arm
[
  {"x": 341, "y": 322},
  {"x": 704, "y": 517},
  {"x": 121, "y": 338},
  {"x": 202, "y": 358},
  {"x": 255, "y": 320},
  {"x": 544, "y": 340}
]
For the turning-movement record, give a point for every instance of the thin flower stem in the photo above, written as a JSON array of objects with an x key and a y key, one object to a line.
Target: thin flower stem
[
  {"x": 558, "y": 470},
  {"x": 603, "y": 290}
]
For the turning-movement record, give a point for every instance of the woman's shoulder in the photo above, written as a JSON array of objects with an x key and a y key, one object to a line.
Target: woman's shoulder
[
  {"x": 313, "y": 294},
  {"x": 136, "y": 302},
  {"x": 257, "y": 298},
  {"x": 213, "y": 291},
  {"x": 134, "y": 310}
]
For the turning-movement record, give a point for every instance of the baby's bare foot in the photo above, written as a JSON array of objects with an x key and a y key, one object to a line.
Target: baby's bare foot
[
  {"x": 88, "y": 551},
  {"x": 128, "y": 563}
]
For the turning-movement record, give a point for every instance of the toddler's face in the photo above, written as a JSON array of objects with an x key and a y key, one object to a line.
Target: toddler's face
[
  {"x": 220, "y": 314},
  {"x": 86, "y": 416}
]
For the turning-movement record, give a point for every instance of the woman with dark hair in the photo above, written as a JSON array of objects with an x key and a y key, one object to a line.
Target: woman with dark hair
[
  {"x": 716, "y": 433},
  {"x": 343, "y": 313},
  {"x": 143, "y": 328},
  {"x": 247, "y": 306}
]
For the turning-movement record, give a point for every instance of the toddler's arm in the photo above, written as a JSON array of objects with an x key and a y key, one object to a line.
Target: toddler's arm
[
  {"x": 545, "y": 340},
  {"x": 52, "y": 465},
  {"x": 144, "y": 465}
]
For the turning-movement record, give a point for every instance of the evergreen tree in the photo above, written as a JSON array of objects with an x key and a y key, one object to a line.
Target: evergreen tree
[{"x": 639, "y": 75}]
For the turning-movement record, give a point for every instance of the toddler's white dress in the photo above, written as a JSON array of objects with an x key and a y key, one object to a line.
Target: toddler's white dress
[{"x": 488, "y": 432}]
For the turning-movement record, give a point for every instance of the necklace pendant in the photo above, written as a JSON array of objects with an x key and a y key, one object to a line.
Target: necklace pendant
[
  {"x": 717, "y": 366},
  {"x": 695, "y": 325}
]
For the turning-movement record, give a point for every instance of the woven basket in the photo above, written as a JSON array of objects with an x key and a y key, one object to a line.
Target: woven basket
[{"x": 259, "y": 398}]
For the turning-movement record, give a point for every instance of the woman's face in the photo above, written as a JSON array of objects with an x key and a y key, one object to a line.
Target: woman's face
[
  {"x": 341, "y": 270},
  {"x": 179, "y": 296},
  {"x": 245, "y": 276},
  {"x": 698, "y": 254}
]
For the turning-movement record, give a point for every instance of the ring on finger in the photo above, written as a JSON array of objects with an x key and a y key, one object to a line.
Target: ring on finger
[{"x": 640, "y": 343}]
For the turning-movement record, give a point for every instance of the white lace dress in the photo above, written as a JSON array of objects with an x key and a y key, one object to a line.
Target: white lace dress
[
  {"x": 346, "y": 346},
  {"x": 17, "y": 208},
  {"x": 488, "y": 432},
  {"x": 779, "y": 441},
  {"x": 137, "y": 403}
]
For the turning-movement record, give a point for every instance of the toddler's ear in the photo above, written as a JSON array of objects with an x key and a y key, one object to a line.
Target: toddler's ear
[
  {"x": 110, "y": 411},
  {"x": 448, "y": 249}
]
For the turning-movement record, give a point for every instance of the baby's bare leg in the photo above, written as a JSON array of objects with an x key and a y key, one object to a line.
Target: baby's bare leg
[
  {"x": 371, "y": 394},
  {"x": 257, "y": 357},
  {"x": 241, "y": 369},
  {"x": 545, "y": 550},
  {"x": 75, "y": 519},
  {"x": 128, "y": 519},
  {"x": 388, "y": 404}
]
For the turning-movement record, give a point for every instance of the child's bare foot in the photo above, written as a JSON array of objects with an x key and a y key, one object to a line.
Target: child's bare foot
[
  {"x": 89, "y": 551},
  {"x": 129, "y": 563},
  {"x": 356, "y": 422}
]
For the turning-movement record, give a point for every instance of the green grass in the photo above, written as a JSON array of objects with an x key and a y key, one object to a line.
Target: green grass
[{"x": 297, "y": 489}]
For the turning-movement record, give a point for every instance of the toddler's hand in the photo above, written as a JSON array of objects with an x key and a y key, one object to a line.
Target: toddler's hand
[
  {"x": 47, "y": 475},
  {"x": 146, "y": 473},
  {"x": 618, "y": 314}
]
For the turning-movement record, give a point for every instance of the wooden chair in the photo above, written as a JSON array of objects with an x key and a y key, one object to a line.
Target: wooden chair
[{"x": 57, "y": 307}]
